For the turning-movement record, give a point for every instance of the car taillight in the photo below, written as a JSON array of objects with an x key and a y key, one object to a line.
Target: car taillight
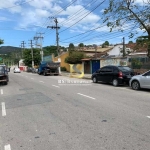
[{"x": 120, "y": 74}]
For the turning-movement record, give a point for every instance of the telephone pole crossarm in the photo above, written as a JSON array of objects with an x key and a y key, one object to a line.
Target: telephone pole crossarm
[{"x": 57, "y": 34}]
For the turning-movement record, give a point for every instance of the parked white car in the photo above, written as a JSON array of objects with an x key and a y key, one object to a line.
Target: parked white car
[
  {"x": 17, "y": 70},
  {"x": 140, "y": 81}
]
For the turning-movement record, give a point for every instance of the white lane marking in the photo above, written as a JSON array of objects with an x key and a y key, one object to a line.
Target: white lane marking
[
  {"x": 41, "y": 81},
  {"x": 85, "y": 95},
  {"x": 7, "y": 147},
  {"x": 1, "y": 91},
  {"x": 148, "y": 117},
  {"x": 56, "y": 86},
  {"x": 3, "y": 109},
  {"x": 32, "y": 78}
]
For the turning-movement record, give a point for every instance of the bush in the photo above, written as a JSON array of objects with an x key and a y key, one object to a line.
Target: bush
[
  {"x": 75, "y": 58},
  {"x": 63, "y": 69},
  {"x": 136, "y": 64}
]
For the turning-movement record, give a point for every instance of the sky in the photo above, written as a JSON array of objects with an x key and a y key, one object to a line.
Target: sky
[{"x": 22, "y": 20}]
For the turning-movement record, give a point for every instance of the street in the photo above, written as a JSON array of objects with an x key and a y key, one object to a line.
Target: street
[{"x": 42, "y": 113}]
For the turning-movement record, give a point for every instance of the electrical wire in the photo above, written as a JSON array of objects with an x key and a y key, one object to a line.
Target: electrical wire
[
  {"x": 84, "y": 16},
  {"x": 75, "y": 14},
  {"x": 61, "y": 10},
  {"x": 101, "y": 35}
]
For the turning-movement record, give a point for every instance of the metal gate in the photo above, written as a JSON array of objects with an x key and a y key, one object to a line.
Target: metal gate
[{"x": 95, "y": 65}]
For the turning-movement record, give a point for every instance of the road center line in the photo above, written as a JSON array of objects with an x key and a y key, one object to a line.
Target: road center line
[
  {"x": 1, "y": 91},
  {"x": 56, "y": 86},
  {"x": 85, "y": 95},
  {"x": 3, "y": 109},
  {"x": 7, "y": 147},
  {"x": 148, "y": 117},
  {"x": 41, "y": 81}
]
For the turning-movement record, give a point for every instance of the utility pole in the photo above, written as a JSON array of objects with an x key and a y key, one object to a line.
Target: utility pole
[
  {"x": 31, "y": 44},
  {"x": 23, "y": 46},
  {"x": 41, "y": 38},
  {"x": 36, "y": 40},
  {"x": 123, "y": 46},
  {"x": 21, "y": 50},
  {"x": 57, "y": 34}
]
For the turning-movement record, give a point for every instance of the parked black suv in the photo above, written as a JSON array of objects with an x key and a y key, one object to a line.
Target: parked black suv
[
  {"x": 4, "y": 78},
  {"x": 113, "y": 74}
]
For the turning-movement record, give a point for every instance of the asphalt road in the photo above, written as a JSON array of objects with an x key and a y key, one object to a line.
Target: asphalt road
[{"x": 47, "y": 113}]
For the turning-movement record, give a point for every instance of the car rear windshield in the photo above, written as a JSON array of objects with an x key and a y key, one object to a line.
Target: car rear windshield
[
  {"x": 1, "y": 68},
  {"x": 124, "y": 68}
]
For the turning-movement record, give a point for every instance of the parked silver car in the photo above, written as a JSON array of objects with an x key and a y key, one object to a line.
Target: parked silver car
[{"x": 140, "y": 81}]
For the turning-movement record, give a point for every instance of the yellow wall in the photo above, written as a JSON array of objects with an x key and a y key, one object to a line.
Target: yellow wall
[
  {"x": 66, "y": 65},
  {"x": 79, "y": 67},
  {"x": 62, "y": 63}
]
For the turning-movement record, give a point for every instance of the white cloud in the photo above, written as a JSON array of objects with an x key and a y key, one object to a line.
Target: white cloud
[
  {"x": 11, "y": 5},
  {"x": 46, "y": 4},
  {"x": 4, "y": 19},
  {"x": 35, "y": 12},
  {"x": 142, "y": 1},
  {"x": 79, "y": 13}
]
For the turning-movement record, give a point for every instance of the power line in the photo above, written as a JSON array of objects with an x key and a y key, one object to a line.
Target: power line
[
  {"x": 102, "y": 35},
  {"x": 75, "y": 15},
  {"x": 84, "y": 16},
  {"x": 57, "y": 38},
  {"x": 39, "y": 44},
  {"x": 23, "y": 47},
  {"x": 66, "y": 6},
  {"x": 90, "y": 31}
]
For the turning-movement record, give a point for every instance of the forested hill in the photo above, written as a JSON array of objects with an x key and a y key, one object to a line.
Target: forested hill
[{"x": 8, "y": 49}]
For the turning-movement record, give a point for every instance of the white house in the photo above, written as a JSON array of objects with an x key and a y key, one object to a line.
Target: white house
[{"x": 115, "y": 51}]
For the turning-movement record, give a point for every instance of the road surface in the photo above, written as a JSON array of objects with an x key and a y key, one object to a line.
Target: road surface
[{"x": 49, "y": 113}]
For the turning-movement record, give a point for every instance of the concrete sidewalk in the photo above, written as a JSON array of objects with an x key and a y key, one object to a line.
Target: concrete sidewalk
[{"x": 86, "y": 76}]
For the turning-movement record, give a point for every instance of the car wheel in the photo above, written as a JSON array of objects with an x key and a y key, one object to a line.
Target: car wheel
[
  {"x": 44, "y": 73},
  {"x": 5, "y": 83},
  {"x": 94, "y": 80},
  {"x": 115, "y": 82},
  {"x": 135, "y": 85}
]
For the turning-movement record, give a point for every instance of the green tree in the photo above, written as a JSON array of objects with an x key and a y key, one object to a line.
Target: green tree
[
  {"x": 75, "y": 57},
  {"x": 123, "y": 11},
  {"x": 136, "y": 63},
  {"x": 105, "y": 44},
  {"x": 71, "y": 48},
  {"x": 1, "y": 41},
  {"x": 81, "y": 45},
  {"x": 28, "y": 57},
  {"x": 130, "y": 42},
  {"x": 49, "y": 50}
]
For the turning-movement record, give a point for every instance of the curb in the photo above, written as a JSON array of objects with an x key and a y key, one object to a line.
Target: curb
[{"x": 88, "y": 78}]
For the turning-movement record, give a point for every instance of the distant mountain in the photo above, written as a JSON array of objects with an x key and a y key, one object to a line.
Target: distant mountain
[{"x": 9, "y": 49}]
